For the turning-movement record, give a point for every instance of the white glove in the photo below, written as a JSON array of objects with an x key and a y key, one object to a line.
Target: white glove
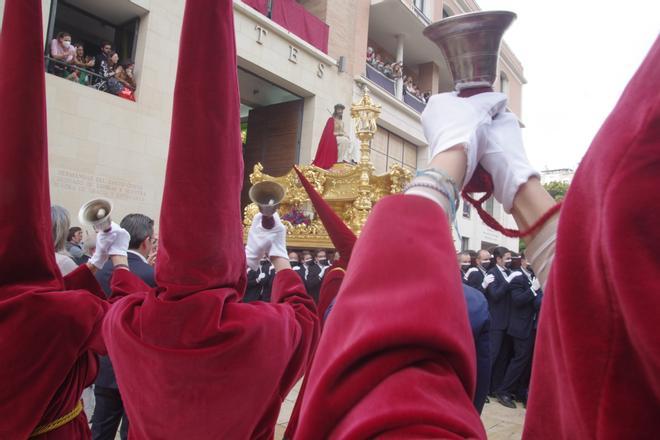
[
  {"x": 488, "y": 279},
  {"x": 104, "y": 241},
  {"x": 120, "y": 245},
  {"x": 504, "y": 157},
  {"x": 449, "y": 121},
  {"x": 261, "y": 277},
  {"x": 536, "y": 285},
  {"x": 257, "y": 244},
  {"x": 277, "y": 237},
  {"x": 265, "y": 241},
  {"x": 512, "y": 275}
]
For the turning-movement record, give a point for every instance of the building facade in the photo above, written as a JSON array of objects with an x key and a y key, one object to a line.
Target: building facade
[{"x": 297, "y": 59}]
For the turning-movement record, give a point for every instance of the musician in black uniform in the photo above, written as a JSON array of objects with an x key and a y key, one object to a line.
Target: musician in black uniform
[
  {"x": 521, "y": 322},
  {"x": 498, "y": 294},
  {"x": 477, "y": 276}
]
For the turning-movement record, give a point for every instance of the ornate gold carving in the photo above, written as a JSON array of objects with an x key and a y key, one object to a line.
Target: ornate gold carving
[{"x": 351, "y": 190}]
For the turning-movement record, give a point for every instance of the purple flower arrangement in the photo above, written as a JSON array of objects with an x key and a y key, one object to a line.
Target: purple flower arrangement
[{"x": 296, "y": 217}]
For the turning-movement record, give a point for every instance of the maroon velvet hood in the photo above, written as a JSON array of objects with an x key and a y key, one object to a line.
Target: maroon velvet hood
[
  {"x": 201, "y": 244},
  {"x": 27, "y": 255}
]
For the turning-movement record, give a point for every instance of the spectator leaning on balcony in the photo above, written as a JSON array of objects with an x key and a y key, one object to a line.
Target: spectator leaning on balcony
[
  {"x": 80, "y": 60},
  {"x": 62, "y": 50},
  {"x": 124, "y": 74}
]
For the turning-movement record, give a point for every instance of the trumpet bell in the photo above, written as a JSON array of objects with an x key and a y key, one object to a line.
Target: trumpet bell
[
  {"x": 96, "y": 213},
  {"x": 267, "y": 196},
  {"x": 471, "y": 44}
]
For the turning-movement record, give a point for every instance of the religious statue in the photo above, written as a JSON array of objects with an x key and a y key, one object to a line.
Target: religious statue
[
  {"x": 344, "y": 145},
  {"x": 336, "y": 144}
]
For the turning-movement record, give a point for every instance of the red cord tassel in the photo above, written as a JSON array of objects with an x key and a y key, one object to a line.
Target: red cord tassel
[{"x": 483, "y": 182}]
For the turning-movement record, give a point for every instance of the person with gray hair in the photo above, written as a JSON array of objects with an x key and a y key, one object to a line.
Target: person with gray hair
[
  {"x": 60, "y": 222},
  {"x": 89, "y": 246}
]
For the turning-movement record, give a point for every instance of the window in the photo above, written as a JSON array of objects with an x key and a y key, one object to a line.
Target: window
[
  {"x": 467, "y": 208},
  {"x": 465, "y": 243},
  {"x": 421, "y": 7},
  {"x": 89, "y": 23},
  {"x": 419, "y": 4},
  {"x": 504, "y": 83},
  {"x": 489, "y": 205},
  {"x": 446, "y": 12}
]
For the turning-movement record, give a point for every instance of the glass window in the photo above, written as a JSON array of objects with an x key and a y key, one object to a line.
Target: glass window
[
  {"x": 467, "y": 209},
  {"x": 465, "y": 243},
  {"x": 504, "y": 83},
  {"x": 489, "y": 205}
]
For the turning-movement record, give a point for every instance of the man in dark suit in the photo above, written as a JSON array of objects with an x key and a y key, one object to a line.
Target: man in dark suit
[
  {"x": 523, "y": 383},
  {"x": 521, "y": 321},
  {"x": 294, "y": 260},
  {"x": 109, "y": 410},
  {"x": 266, "y": 277},
  {"x": 477, "y": 277},
  {"x": 314, "y": 271},
  {"x": 498, "y": 294}
]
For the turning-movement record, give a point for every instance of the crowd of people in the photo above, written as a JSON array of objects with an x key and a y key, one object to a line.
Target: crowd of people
[
  {"x": 395, "y": 70},
  {"x": 513, "y": 294},
  {"x": 104, "y": 71}
]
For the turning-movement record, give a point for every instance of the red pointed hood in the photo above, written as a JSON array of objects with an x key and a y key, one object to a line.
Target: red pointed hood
[
  {"x": 343, "y": 238},
  {"x": 27, "y": 255},
  {"x": 201, "y": 243}
]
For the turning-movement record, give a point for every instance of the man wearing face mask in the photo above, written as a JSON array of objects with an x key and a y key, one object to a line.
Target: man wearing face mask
[
  {"x": 294, "y": 260},
  {"x": 521, "y": 317},
  {"x": 464, "y": 263},
  {"x": 478, "y": 277},
  {"x": 498, "y": 295},
  {"x": 314, "y": 271}
]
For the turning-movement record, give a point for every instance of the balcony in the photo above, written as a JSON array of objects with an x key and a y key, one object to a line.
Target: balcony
[
  {"x": 296, "y": 19},
  {"x": 396, "y": 31}
]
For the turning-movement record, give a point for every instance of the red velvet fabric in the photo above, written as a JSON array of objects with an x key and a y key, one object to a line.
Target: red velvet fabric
[
  {"x": 329, "y": 289},
  {"x": 396, "y": 375},
  {"x": 597, "y": 361},
  {"x": 295, "y": 18},
  {"x": 26, "y": 244},
  {"x": 49, "y": 336},
  {"x": 342, "y": 237},
  {"x": 204, "y": 176},
  {"x": 326, "y": 153},
  {"x": 217, "y": 368},
  {"x": 213, "y": 367},
  {"x": 259, "y": 5}
]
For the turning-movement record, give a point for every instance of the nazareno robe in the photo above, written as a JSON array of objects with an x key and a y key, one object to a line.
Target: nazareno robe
[
  {"x": 50, "y": 327},
  {"x": 596, "y": 371},
  {"x": 191, "y": 360},
  {"x": 396, "y": 357}
]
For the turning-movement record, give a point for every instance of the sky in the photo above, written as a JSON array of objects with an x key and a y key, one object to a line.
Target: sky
[{"x": 577, "y": 58}]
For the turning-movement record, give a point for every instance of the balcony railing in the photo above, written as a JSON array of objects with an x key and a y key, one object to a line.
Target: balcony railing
[
  {"x": 413, "y": 101},
  {"x": 381, "y": 80},
  {"x": 389, "y": 85},
  {"x": 85, "y": 77},
  {"x": 295, "y": 18}
]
